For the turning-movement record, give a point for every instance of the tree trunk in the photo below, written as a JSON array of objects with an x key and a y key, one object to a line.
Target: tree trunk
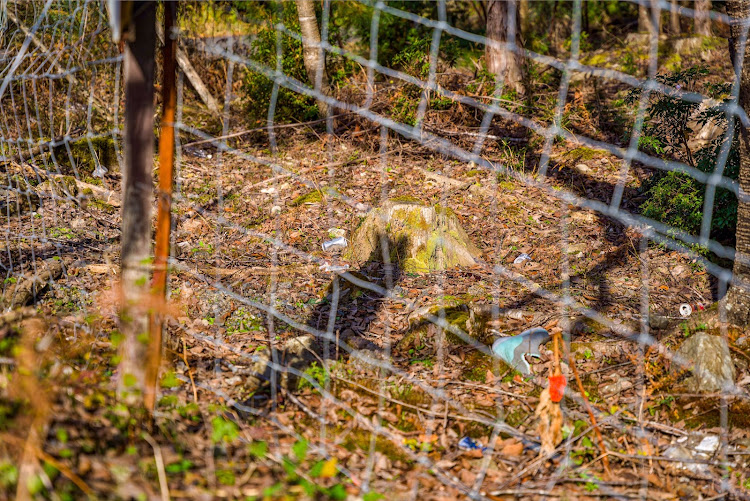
[
  {"x": 644, "y": 22},
  {"x": 738, "y": 296},
  {"x": 315, "y": 63},
  {"x": 645, "y": 17},
  {"x": 674, "y": 19},
  {"x": 504, "y": 64},
  {"x": 525, "y": 16},
  {"x": 137, "y": 186},
  {"x": 702, "y": 19}
]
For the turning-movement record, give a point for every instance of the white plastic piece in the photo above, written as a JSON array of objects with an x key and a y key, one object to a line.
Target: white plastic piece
[
  {"x": 520, "y": 259},
  {"x": 329, "y": 268},
  {"x": 686, "y": 310},
  {"x": 335, "y": 244}
]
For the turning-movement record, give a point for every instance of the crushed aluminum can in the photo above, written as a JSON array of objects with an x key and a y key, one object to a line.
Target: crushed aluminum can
[
  {"x": 335, "y": 244},
  {"x": 329, "y": 268},
  {"x": 520, "y": 259},
  {"x": 686, "y": 310}
]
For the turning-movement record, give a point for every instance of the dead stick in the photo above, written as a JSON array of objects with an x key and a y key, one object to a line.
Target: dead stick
[
  {"x": 190, "y": 371},
  {"x": 600, "y": 440},
  {"x": 191, "y": 74},
  {"x": 67, "y": 472}
]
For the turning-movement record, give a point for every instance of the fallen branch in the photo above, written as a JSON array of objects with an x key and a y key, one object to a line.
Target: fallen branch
[
  {"x": 27, "y": 289},
  {"x": 192, "y": 75}
]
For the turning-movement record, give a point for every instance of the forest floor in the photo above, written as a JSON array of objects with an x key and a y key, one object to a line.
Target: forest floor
[{"x": 248, "y": 234}]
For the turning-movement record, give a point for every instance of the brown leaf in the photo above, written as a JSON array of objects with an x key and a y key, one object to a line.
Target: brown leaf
[{"x": 511, "y": 447}]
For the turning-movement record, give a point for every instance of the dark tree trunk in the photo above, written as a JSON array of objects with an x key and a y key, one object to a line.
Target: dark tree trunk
[
  {"x": 137, "y": 186},
  {"x": 502, "y": 63},
  {"x": 738, "y": 296}
]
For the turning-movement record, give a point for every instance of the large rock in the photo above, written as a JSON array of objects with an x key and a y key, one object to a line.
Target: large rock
[
  {"x": 711, "y": 363},
  {"x": 420, "y": 238}
]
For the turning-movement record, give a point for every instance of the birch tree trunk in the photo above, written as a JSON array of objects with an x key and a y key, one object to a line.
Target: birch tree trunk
[
  {"x": 502, "y": 63},
  {"x": 702, "y": 19},
  {"x": 137, "y": 187},
  {"x": 314, "y": 57},
  {"x": 738, "y": 296}
]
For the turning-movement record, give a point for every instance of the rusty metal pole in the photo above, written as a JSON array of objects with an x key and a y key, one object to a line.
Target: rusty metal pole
[{"x": 164, "y": 201}]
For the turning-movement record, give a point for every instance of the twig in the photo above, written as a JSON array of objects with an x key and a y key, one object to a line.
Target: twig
[
  {"x": 66, "y": 472},
  {"x": 259, "y": 129},
  {"x": 163, "y": 485},
  {"x": 599, "y": 439},
  {"x": 190, "y": 371},
  {"x": 192, "y": 75}
]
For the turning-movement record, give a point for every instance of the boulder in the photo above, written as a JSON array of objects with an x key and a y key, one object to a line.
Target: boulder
[
  {"x": 420, "y": 238},
  {"x": 711, "y": 363}
]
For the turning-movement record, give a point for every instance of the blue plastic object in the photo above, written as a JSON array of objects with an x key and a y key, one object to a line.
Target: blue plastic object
[
  {"x": 467, "y": 444},
  {"x": 512, "y": 350}
]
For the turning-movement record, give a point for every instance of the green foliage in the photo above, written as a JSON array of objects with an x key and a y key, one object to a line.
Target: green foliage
[
  {"x": 315, "y": 372},
  {"x": 670, "y": 122},
  {"x": 224, "y": 430},
  {"x": 289, "y": 105}
]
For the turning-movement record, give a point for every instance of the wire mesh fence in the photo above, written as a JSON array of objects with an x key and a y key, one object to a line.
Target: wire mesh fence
[{"x": 364, "y": 221}]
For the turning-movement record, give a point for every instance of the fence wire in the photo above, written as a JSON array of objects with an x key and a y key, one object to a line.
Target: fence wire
[{"x": 387, "y": 372}]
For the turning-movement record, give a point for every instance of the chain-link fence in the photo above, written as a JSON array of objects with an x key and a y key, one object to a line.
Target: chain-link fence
[{"x": 386, "y": 260}]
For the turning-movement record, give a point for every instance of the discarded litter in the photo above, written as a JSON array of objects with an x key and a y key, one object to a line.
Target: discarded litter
[
  {"x": 686, "y": 310},
  {"x": 520, "y": 259},
  {"x": 467, "y": 444},
  {"x": 513, "y": 350},
  {"x": 335, "y": 244},
  {"x": 334, "y": 268},
  {"x": 268, "y": 191}
]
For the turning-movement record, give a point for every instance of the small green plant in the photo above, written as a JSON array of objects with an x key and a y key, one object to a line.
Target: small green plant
[
  {"x": 670, "y": 123},
  {"x": 316, "y": 373},
  {"x": 224, "y": 430}
]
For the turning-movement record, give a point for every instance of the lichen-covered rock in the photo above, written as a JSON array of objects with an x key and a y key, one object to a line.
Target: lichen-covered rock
[
  {"x": 420, "y": 238},
  {"x": 711, "y": 363}
]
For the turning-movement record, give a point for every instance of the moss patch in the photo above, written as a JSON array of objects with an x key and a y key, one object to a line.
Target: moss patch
[{"x": 85, "y": 155}]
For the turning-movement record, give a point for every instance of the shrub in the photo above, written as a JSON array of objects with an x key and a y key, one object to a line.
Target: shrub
[{"x": 675, "y": 198}]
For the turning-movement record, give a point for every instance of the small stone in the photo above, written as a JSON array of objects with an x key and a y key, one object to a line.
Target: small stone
[
  {"x": 275, "y": 210},
  {"x": 710, "y": 362},
  {"x": 615, "y": 387},
  {"x": 658, "y": 322},
  {"x": 583, "y": 168}
]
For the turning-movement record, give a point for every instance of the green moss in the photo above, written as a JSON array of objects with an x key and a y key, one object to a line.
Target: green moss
[
  {"x": 582, "y": 153},
  {"x": 710, "y": 43},
  {"x": 448, "y": 211},
  {"x": 314, "y": 197},
  {"x": 407, "y": 199},
  {"x": 411, "y": 218},
  {"x": 103, "y": 206},
  {"x": 597, "y": 60},
  {"x": 80, "y": 161},
  {"x": 360, "y": 440},
  {"x": 308, "y": 198}
]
